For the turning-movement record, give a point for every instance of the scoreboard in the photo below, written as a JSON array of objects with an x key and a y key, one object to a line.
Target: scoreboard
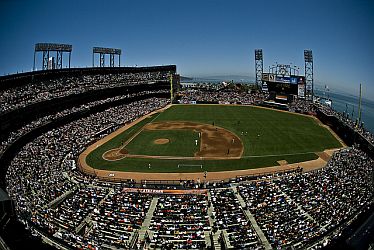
[{"x": 284, "y": 85}]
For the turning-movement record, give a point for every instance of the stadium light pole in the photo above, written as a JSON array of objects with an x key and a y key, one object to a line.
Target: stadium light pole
[
  {"x": 259, "y": 66},
  {"x": 309, "y": 85},
  {"x": 106, "y": 51},
  {"x": 171, "y": 87},
  {"x": 46, "y": 48}
]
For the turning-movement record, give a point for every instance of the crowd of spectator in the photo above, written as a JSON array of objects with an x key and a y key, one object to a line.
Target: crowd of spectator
[
  {"x": 299, "y": 208},
  {"x": 279, "y": 217},
  {"x": 302, "y": 106},
  {"x": 38, "y": 122},
  {"x": 292, "y": 210},
  {"x": 225, "y": 96},
  {"x": 118, "y": 216},
  {"x": 344, "y": 118},
  {"x": 335, "y": 193},
  {"x": 36, "y": 178},
  {"x": 179, "y": 221},
  {"x": 308, "y": 107},
  {"x": 229, "y": 216},
  {"x": 30, "y": 93},
  {"x": 66, "y": 218}
]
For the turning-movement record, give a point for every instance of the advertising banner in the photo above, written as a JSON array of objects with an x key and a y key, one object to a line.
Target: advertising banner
[
  {"x": 283, "y": 79},
  {"x": 271, "y": 77},
  {"x": 165, "y": 191},
  {"x": 301, "y": 90}
]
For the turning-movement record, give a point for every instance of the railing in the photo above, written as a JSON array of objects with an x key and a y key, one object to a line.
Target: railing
[{"x": 134, "y": 239}]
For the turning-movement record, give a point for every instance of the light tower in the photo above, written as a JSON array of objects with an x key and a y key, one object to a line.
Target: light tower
[
  {"x": 46, "y": 48},
  {"x": 259, "y": 66},
  {"x": 309, "y": 85},
  {"x": 106, "y": 51}
]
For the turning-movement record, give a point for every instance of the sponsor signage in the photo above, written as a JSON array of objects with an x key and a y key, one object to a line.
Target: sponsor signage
[
  {"x": 283, "y": 79},
  {"x": 289, "y": 79},
  {"x": 271, "y": 77},
  {"x": 164, "y": 191},
  {"x": 293, "y": 80},
  {"x": 301, "y": 90}
]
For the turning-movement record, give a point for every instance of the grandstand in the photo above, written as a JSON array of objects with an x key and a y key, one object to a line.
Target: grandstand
[{"x": 48, "y": 118}]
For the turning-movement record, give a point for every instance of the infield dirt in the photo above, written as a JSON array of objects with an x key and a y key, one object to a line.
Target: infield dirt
[
  {"x": 161, "y": 141},
  {"x": 215, "y": 142}
]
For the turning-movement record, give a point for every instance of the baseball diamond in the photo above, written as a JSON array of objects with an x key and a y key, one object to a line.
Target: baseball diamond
[
  {"x": 215, "y": 138},
  {"x": 174, "y": 138},
  {"x": 132, "y": 168},
  {"x": 215, "y": 142}
]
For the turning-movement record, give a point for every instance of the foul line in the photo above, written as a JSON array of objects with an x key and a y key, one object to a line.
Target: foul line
[
  {"x": 130, "y": 139},
  {"x": 164, "y": 157},
  {"x": 137, "y": 133},
  {"x": 258, "y": 156}
]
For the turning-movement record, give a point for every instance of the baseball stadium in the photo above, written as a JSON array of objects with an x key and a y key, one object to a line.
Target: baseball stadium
[{"x": 133, "y": 158}]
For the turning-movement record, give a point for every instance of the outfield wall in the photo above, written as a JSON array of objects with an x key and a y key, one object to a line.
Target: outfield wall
[{"x": 346, "y": 133}]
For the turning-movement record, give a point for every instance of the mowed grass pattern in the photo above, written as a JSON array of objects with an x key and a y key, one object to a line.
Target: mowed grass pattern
[
  {"x": 262, "y": 131},
  {"x": 267, "y": 135},
  {"x": 181, "y": 143}
]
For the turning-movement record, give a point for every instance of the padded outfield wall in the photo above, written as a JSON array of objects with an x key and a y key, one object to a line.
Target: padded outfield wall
[{"x": 348, "y": 134}]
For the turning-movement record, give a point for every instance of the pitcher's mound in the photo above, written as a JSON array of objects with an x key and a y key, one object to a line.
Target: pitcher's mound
[{"x": 161, "y": 141}]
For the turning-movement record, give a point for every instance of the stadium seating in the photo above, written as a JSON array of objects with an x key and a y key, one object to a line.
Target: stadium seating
[
  {"x": 230, "y": 217},
  {"x": 179, "y": 222},
  {"x": 52, "y": 197}
]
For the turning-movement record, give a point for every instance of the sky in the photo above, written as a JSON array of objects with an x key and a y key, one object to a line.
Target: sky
[{"x": 202, "y": 37}]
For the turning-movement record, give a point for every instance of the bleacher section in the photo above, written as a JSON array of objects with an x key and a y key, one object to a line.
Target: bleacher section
[{"x": 69, "y": 209}]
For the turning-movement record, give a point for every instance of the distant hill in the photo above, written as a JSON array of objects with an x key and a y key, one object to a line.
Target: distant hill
[
  {"x": 219, "y": 78},
  {"x": 185, "y": 78}
]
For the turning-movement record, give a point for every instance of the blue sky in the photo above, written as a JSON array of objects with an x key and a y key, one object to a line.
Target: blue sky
[{"x": 202, "y": 37}]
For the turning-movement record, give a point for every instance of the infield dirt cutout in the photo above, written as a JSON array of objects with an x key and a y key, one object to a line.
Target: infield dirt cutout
[
  {"x": 215, "y": 142},
  {"x": 161, "y": 141}
]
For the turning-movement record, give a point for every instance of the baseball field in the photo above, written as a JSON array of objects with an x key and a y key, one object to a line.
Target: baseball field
[{"x": 196, "y": 138}]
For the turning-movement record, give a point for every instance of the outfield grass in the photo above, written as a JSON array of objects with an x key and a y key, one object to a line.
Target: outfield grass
[
  {"x": 267, "y": 136},
  {"x": 171, "y": 166}
]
